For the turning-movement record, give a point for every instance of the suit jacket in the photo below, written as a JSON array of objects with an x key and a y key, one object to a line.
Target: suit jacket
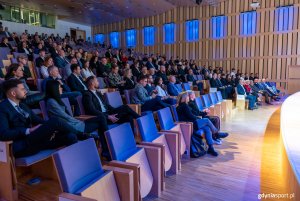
[
  {"x": 185, "y": 113},
  {"x": 149, "y": 88},
  {"x": 163, "y": 76},
  {"x": 190, "y": 78},
  {"x": 149, "y": 65},
  {"x": 59, "y": 111},
  {"x": 92, "y": 105},
  {"x": 141, "y": 95},
  {"x": 195, "y": 110},
  {"x": 172, "y": 89},
  {"x": 136, "y": 72},
  {"x": 60, "y": 62},
  {"x": 240, "y": 90},
  {"x": 75, "y": 84},
  {"x": 39, "y": 62},
  {"x": 214, "y": 83},
  {"x": 64, "y": 86},
  {"x": 13, "y": 124},
  {"x": 102, "y": 70},
  {"x": 129, "y": 83}
]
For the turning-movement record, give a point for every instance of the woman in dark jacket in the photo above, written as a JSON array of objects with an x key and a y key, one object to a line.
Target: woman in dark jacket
[
  {"x": 57, "y": 109},
  {"x": 185, "y": 114}
]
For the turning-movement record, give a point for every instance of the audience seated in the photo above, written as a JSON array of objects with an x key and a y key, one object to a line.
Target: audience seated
[
  {"x": 162, "y": 73},
  {"x": 94, "y": 104},
  {"x": 29, "y": 133},
  {"x": 198, "y": 83},
  {"x": 162, "y": 92},
  {"x": 241, "y": 91},
  {"x": 32, "y": 97},
  {"x": 61, "y": 61},
  {"x": 114, "y": 78},
  {"x": 172, "y": 87},
  {"x": 23, "y": 63},
  {"x": 86, "y": 70},
  {"x": 40, "y": 60},
  {"x": 103, "y": 68},
  {"x": 75, "y": 80},
  {"x": 44, "y": 68},
  {"x": 129, "y": 82},
  {"x": 185, "y": 114},
  {"x": 141, "y": 96},
  {"x": 57, "y": 109}
]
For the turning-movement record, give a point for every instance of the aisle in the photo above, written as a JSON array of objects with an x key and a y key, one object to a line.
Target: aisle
[{"x": 236, "y": 174}]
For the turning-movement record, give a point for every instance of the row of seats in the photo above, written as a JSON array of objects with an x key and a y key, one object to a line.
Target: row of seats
[{"x": 156, "y": 154}]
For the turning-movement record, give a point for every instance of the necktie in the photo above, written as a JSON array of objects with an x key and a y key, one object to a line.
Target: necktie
[
  {"x": 81, "y": 82},
  {"x": 101, "y": 104},
  {"x": 22, "y": 112}
]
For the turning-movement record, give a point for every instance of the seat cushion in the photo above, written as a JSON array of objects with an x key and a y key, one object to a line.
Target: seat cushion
[{"x": 29, "y": 160}]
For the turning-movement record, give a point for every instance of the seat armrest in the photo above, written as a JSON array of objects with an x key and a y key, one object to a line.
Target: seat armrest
[
  {"x": 72, "y": 197},
  {"x": 124, "y": 181},
  {"x": 154, "y": 159},
  {"x": 174, "y": 146},
  {"x": 163, "y": 149},
  {"x": 84, "y": 117},
  {"x": 136, "y": 108},
  {"x": 136, "y": 175},
  {"x": 187, "y": 131}
]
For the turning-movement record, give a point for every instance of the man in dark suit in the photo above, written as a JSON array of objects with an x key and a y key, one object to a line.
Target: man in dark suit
[
  {"x": 198, "y": 83},
  {"x": 61, "y": 61},
  {"x": 257, "y": 88},
  {"x": 75, "y": 80},
  {"x": 29, "y": 133},
  {"x": 108, "y": 54},
  {"x": 40, "y": 60},
  {"x": 150, "y": 64},
  {"x": 162, "y": 73},
  {"x": 103, "y": 69},
  {"x": 216, "y": 83},
  {"x": 94, "y": 104}
]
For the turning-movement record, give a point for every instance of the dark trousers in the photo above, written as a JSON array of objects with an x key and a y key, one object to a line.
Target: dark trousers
[
  {"x": 124, "y": 114},
  {"x": 154, "y": 104},
  {"x": 52, "y": 134},
  {"x": 170, "y": 101},
  {"x": 215, "y": 120},
  {"x": 98, "y": 123}
]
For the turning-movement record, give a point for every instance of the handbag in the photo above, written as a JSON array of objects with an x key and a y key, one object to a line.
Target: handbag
[{"x": 198, "y": 148}]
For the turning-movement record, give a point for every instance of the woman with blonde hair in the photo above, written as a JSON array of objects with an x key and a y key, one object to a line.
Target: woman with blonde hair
[{"x": 185, "y": 114}]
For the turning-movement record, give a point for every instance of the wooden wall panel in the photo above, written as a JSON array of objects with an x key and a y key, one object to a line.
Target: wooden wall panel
[{"x": 268, "y": 53}]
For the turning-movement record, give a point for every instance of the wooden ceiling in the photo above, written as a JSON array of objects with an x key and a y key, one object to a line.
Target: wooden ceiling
[{"x": 93, "y": 12}]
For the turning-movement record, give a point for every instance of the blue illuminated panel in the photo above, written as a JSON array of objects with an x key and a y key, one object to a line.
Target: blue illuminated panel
[
  {"x": 284, "y": 18},
  {"x": 149, "y": 36},
  {"x": 115, "y": 39},
  {"x": 130, "y": 37},
  {"x": 169, "y": 33},
  {"x": 192, "y": 30},
  {"x": 99, "y": 38},
  {"x": 248, "y": 23},
  {"x": 219, "y": 26}
]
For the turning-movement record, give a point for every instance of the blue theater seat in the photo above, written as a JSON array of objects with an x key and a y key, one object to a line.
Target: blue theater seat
[
  {"x": 149, "y": 133},
  {"x": 123, "y": 148},
  {"x": 184, "y": 129},
  {"x": 80, "y": 172}
]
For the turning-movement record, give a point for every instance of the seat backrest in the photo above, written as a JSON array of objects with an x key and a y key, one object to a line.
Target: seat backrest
[
  {"x": 114, "y": 99},
  {"x": 174, "y": 111},
  {"x": 14, "y": 61},
  {"x": 67, "y": 104},
  {"x": 16, "y": 54},
  {"x": 38, "y": 73},
  {"x": 78, "y": 165},
  {"x": 121, "y": 142},
  {"x": 179, "y": 87},
  {"x": 206, "y": 100},
  {"x": 81, "y": 107},
  {"x": 199, "y": 77},
  {"x": 186, "y": 86},
  {"x": 44, "y": 110},
  {"x": 39, "y": 84},
  {"x": 219, "y": 96},
  {"x": 102, "y": 84},
  {"x": 165, "y": 118},
  {"x": 128, "y": 94},
  {"x": 147, "y": 128},
  {"x": 199, "y": 103},
  {"x": 213, "y": 98}
]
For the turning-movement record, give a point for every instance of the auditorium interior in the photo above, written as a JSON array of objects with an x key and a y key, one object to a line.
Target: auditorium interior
[{"x": 161, "y": 100}]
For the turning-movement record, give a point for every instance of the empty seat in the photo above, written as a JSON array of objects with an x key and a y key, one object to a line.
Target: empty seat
[
  {"x": 122, "y": 147},
  {"x": 184, "y": 129},
  {"x": 80, "y": 172},
  {"x": 149, "y": 133}
]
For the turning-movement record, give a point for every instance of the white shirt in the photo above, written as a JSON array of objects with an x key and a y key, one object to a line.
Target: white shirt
[
  {"x": 101, "y": 104},
  {"x": 44, "y": 72},
  {"x": 160, "y": 91},
  {"x": 86, "y": 73},
  {"x": 80, "y": 81}
]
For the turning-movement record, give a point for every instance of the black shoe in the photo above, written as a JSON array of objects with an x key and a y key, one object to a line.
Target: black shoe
[
  {"x": 258, "y": 104},
  {"x": 221, "y": 135},
  {"x": 212, "y": 151}
]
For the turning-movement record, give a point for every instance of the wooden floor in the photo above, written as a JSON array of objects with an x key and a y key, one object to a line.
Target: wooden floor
[{"x": 248, "y": 164}]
